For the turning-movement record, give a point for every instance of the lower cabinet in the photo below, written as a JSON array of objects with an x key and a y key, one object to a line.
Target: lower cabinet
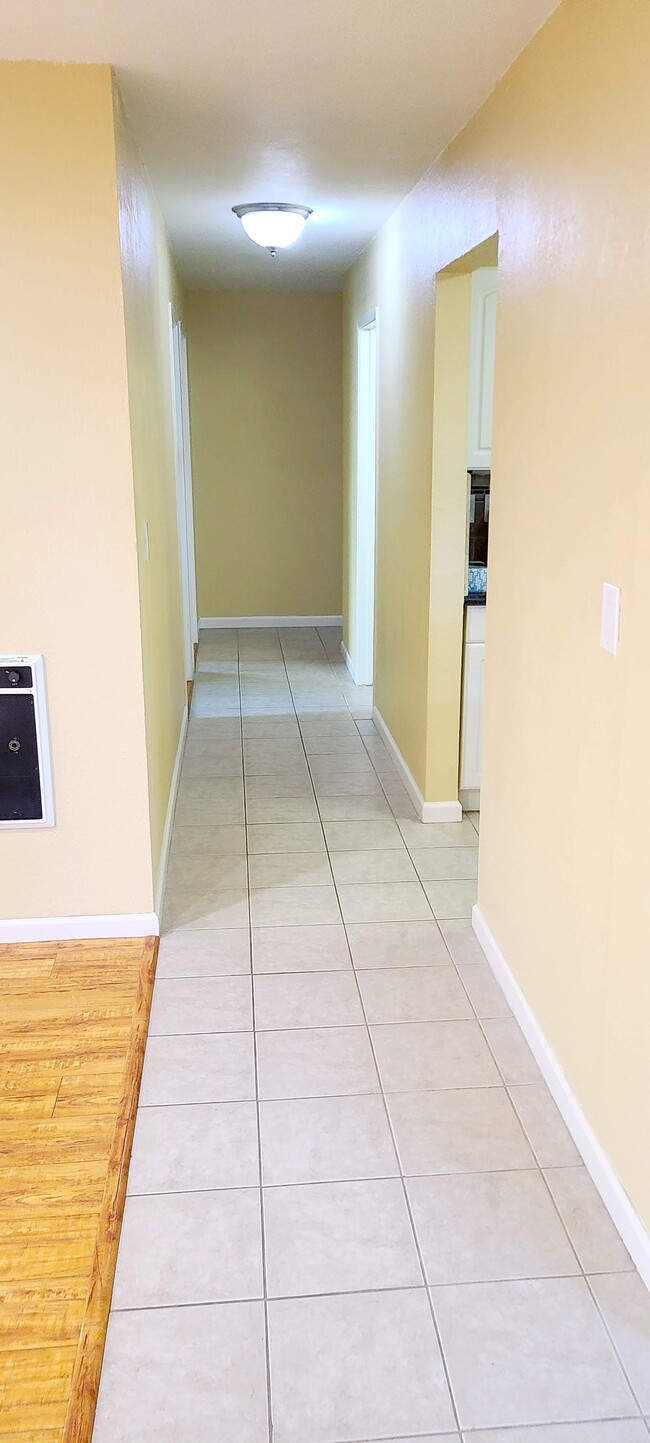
[{"x": 471, "y": 728}]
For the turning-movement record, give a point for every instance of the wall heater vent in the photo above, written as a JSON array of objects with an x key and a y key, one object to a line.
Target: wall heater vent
[{"x": 26, "y": 796}]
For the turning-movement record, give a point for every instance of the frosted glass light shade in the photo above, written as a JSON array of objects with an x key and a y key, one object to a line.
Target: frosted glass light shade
[{"x": 273, "y": 225}]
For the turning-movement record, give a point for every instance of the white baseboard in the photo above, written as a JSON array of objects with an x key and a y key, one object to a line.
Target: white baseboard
[
  {"x": 625, "y": 1218},
  {"x": 79, "y": 929},
  {"x": 427, "y": 811},
  {"x": 169, "y": 819},
  {"x": 228, "y": 623},
  {"x": 470, "y": 799},
  {"x": 348, "y": 660}
]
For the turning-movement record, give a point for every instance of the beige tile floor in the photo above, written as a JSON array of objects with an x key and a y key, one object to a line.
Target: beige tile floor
[{"x": 353, "y": 1211}]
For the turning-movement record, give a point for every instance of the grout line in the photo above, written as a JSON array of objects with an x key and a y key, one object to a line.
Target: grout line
[
  {"x": 257, "y": 1101},
  {"x": 407, "y": 1203}
]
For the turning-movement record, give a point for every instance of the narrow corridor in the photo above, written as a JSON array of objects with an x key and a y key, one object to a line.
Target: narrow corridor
[{"x": 426, "y": 1257}]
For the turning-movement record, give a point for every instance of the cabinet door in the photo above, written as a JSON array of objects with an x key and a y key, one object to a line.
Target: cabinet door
[
  {"x": 481, "y": 368},
  {"x": 472, "y": 720}
]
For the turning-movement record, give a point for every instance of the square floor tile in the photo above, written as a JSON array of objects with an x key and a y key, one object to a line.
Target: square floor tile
[
  {"x": 339, "y": 1237},
  {"x": 587, "y": 1221},
  {"x": 193, "y": 876},
  {"x": 194, "y": 1373},
  {"x": 294, "y": 906},
  {"x": 384, "y": 902},
  {"x": 196, "y": 952},
  {"x": 219, "y": 1068},
  {"x": 451, "y": 899},
  {"x": 397, "y": 944},
  {"x": 306, "y": 999},
  {"x": 374, "y": 865},
  {"x": 462, "y": 941},
  {"x": 348, "y": 784},
  {"x": 316, "y": 1062},
  {"x": 290, "y": 869},
  {"x": 381, "y": 834},
  {"x": 209, "y": 812},
  {"x": 418, "y": 1056},
  {"x": 323, "y": 768},
  {"x": 280, "y": 810},
  {"x": 200, "y": 763},
  {"x": 285, "y": 837},
  {"x": 182, "y": 1149},
  {"x": 201, "y": 1004},
  {"x": 209, "y": 788},
  {"x": 274, "y": 727},
  {"x": 414, "y": 994},
  {"x": 326, "y": 1139},
  {"x": 301, "y": 949},
  {"x": 547, "y": 1133},
  {"x": 208, "y": 841},
  {"x": 480, "y": 1227},
  {"x": 276, "y": 755},
  {"x": 220, "y": 909},
  {"x": 529, "y": 1352},
  {"x": 485, "y": 994},
  {"x": 355, "y": 1366},
  {"x": 292, "y": 783},
  {"x": 630, "y": 1430},
  {"x": 438, "y": 834},
  {"x": 444, "y": 864},
  {"x": 468, "y": 1130},
  {"x": 189, "y": 1247},
  {"x": 511, "y": 1051},
  {"x": 323, "y": 744},
  {"x": 625, "y": 1304},
  {"x": 354, "y": 809}
]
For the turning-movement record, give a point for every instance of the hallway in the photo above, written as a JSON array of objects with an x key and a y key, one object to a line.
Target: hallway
[{"x": 426, "y": 1257}]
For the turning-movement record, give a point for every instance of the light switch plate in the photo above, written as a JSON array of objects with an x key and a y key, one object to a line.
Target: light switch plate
[{"x": 610, "y": 618}]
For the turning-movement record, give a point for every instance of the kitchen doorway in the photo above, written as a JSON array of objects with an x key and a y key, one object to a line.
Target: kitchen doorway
[
  {"x": 360, "y": 660},
  {"x": 184, "y": 501}
]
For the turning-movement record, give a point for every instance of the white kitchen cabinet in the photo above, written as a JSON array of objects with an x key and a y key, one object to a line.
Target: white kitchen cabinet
[
  {"x": 471, "y": 728},
  {"x": 481, "y": 368}
]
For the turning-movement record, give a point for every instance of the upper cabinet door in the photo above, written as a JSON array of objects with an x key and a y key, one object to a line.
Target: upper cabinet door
[{"x": 481, "y": 368}]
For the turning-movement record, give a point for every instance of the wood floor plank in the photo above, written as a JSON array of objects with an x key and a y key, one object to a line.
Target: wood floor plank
[{"x": 74, "y": 1021}]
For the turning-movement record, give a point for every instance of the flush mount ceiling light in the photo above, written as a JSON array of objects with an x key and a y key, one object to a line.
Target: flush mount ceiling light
[{"x": 273, "y": 224}]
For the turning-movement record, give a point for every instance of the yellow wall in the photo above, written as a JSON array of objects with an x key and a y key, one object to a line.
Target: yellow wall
[
  {"x": 557, "y": 161},
  {"x": 149, "y": 283},
  {"x": 68, "y": 578},
  {"x": 265, "y": 399}
]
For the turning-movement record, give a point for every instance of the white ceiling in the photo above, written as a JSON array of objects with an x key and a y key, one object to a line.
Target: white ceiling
[{"x": 336, "y": 104}]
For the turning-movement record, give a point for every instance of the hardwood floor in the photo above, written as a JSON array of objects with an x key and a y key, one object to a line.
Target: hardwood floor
[{"x": 74, "y": 1022}]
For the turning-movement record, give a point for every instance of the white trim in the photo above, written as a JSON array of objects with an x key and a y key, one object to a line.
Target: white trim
[
  {"x": 79, "y": 929},
  {"x": 427, "y": 811},
  {"x": 626, "y": 1220},
  {"x": 220, "y": 623},
  {"x": 348, "y": 661},
  {"x": 169, "y": 819},
  {"x": 470, "y": 798}
]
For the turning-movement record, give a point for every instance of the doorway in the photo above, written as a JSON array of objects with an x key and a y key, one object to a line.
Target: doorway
[
  {"x": 361, "y": 660},
  {"x": 184, "y": 503}
]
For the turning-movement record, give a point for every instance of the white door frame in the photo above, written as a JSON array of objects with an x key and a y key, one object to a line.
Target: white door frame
[
  {"x": 363, "y": 640},
  {"x": 184, "y": 507}
]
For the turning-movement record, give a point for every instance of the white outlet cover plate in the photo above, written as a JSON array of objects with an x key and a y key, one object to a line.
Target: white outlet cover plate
[{"x": 610, "y": 618}]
